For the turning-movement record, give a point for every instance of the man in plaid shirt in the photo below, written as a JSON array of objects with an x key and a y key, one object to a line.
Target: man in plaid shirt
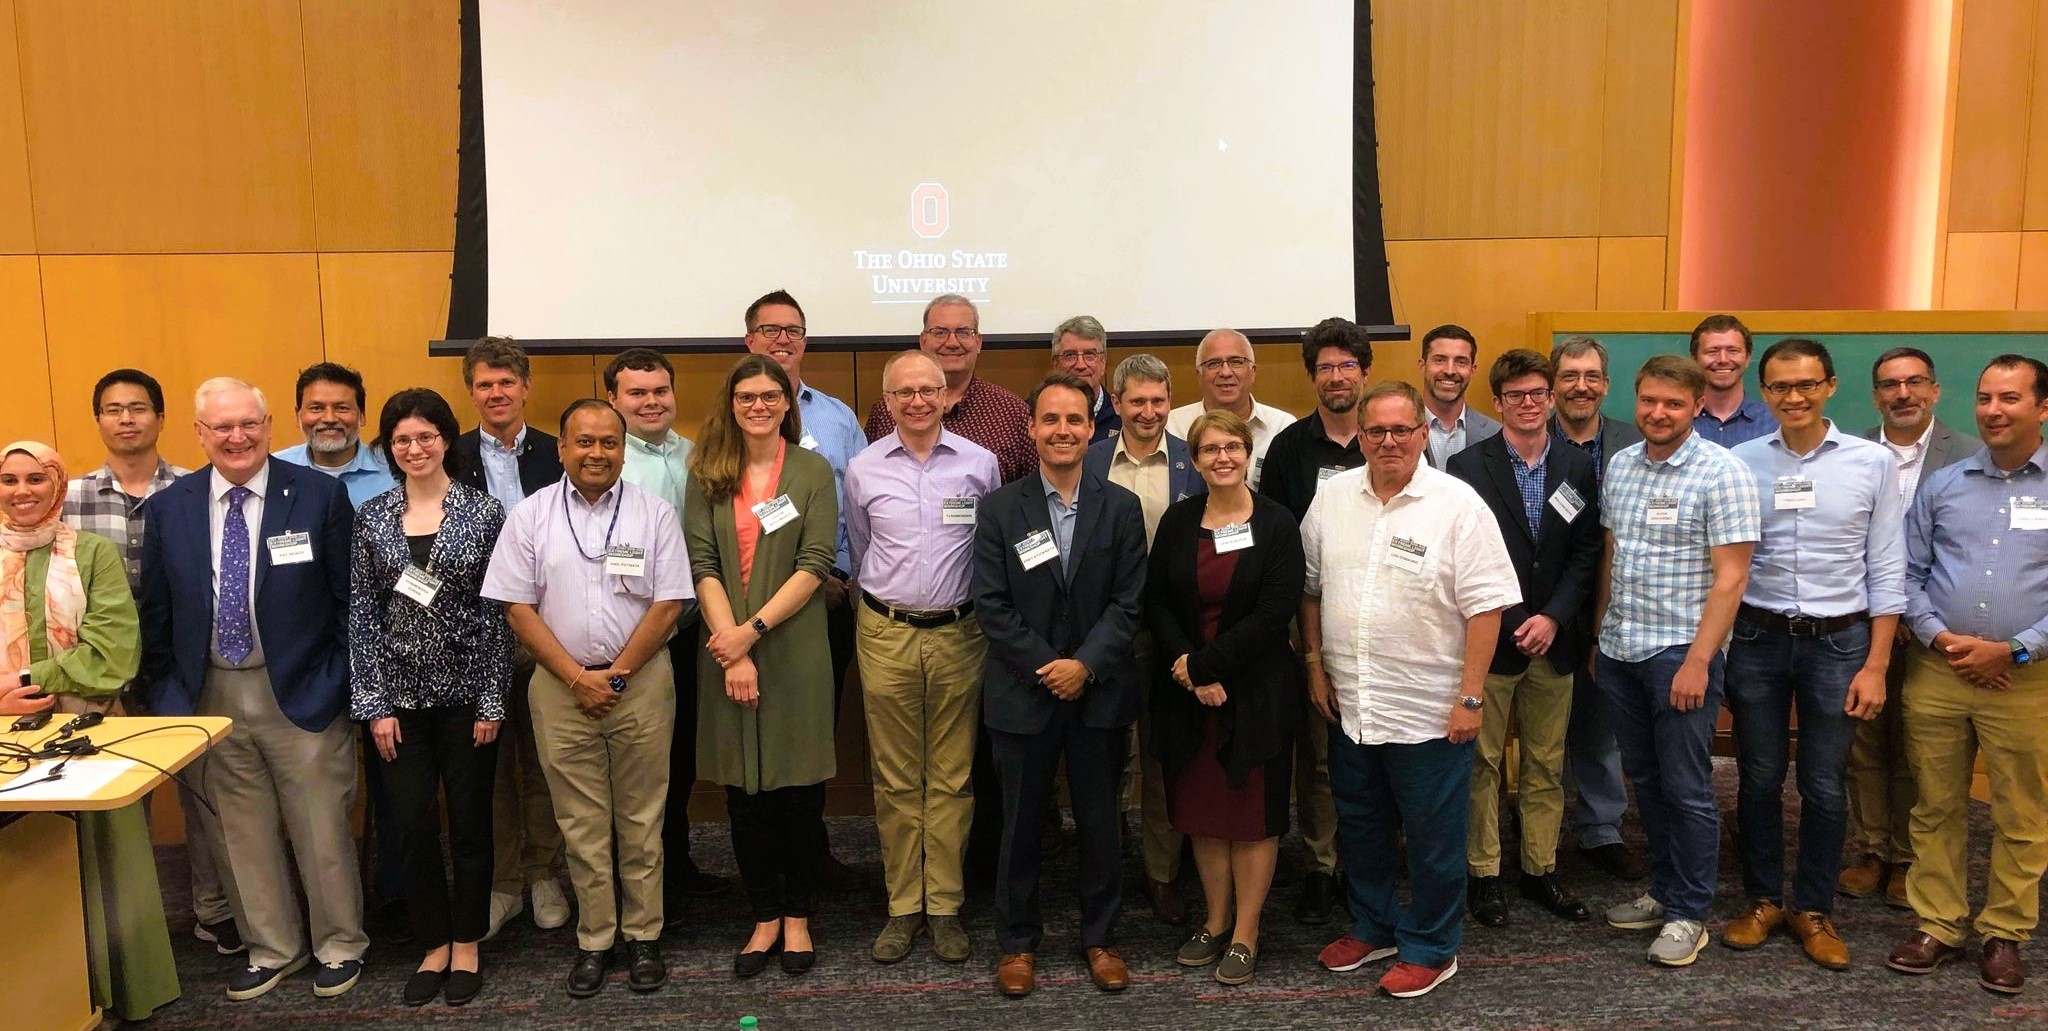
[{"x": 1682, "y": 516}]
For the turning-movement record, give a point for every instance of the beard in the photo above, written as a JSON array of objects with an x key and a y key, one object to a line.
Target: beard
[{"x": 328, "y": 447}]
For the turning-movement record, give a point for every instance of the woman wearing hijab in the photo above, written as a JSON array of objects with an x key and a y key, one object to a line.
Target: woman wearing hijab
[{"x": 68, "y": 621}]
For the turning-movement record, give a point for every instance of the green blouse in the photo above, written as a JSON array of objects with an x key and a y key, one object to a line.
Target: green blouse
[{"x": 109, "y": 649}]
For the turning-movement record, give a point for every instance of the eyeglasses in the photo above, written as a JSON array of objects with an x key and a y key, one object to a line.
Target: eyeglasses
[
  {"x": 748, "y": 398},
  {"x": 227, "y": 429},
  {"x": 1334, "y": 368},
  {"x": 423, "y": 442},
  {"x": 905, "y": 395},
  {"x": 1804, "y": 387},
  {"x": 782, "y": 332},
  {"x": 940, "y": 333},
  {"x": 1378, "y": 434},
  {"x": 1234, "y": 364},
  {"x": 138, "y": 410},
  {"x": 1070, "y": 357},
  {"x": 1588, "y": 378},
  {"x": 1511, "y": 398},
  {"x": 1912, "y": 382},
  {"x": 1233, "y": 448}
]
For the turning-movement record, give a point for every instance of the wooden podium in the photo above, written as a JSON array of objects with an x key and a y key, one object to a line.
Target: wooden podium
[{"x": 43, "y": 957}]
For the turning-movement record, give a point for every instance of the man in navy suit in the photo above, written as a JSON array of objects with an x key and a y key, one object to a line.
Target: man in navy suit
[
  {"x": 1059, "y": 566},
  {"x": 245, "y": 582}
]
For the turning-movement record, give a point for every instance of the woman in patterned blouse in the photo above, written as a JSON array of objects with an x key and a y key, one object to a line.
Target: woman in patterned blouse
[{"x": 430, "y": 661}]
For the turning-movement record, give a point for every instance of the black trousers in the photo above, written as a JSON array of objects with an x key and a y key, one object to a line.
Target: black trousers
[
  {"x": 1026, "y": 763},
  {"x": 682, "y": 754},
  {"x": 778, "y": 837},
  {"x": 437, "y": 751}
]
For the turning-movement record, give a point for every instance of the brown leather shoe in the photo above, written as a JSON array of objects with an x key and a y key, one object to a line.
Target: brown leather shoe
[
  {"x": 1861, "y": 880},
  {"x": 1895, "y": 887},
  {"x": 1107, "y": 970},
  {"x": 1817, "y": 936},
  {"x": 1014, "y": 977},
  {"x": 1166, "y": 902},
  {"x": 2000, "y": 969},
  {"x": 1920, "y": 953},
  {"x": 1759, "y": 917}
]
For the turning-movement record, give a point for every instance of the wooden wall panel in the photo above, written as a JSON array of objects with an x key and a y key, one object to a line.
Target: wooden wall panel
[
  {"x": 17, "y": 217},
  {"x": 377, "y": 312},
  {"x": 26, "y": 413},
  {"x": 1631, "y": 274},
  {"x": 1490, "y": 117},
  {"x": 1983, "y": 272},
  {"x": 2033, "y": 286},
  {"x": 181, "y": 318},
  {"x": 1995, "y": 84},
  {"x": 1641, "y": 78},
  {"x": 2035, "y": 215},
  {"x": 166, "y": 126},
  {"x": 1487, "y": 286},
  {"x": 381, "y": 81}
]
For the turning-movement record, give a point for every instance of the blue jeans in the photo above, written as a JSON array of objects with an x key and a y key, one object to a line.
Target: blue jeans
[
  {"x": 1423, "y": 791},
  {"x": 1769, "y": 672},
  {"x": 1592, "y": 769},
  {"x": 1669, "y": 758}
]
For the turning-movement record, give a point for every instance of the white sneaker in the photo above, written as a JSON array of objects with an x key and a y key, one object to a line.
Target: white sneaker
[
  {"x": 1679, "y": 943},
  {"x": 1639, "y": 914},
  {"x": 550, "y": 908},
  {"x": 504, "y": 906}
]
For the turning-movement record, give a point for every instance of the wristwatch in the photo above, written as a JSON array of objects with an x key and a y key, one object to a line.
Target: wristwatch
[
  {"x": 1472, "y": 703},
  {"x": 760, "y": 628},
  {"x": 2020, "y": 655}
]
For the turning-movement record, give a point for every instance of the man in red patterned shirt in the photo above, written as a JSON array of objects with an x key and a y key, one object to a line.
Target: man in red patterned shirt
[{"x": 975, "y": 408}]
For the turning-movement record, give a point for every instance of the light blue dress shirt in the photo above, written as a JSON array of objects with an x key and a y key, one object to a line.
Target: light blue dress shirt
[
  {"x": 364, "y": 477},
  {"x": 1063, "y": 518},
  {"x": 660, "y": 469},
  {"x": 831, "y": 430},
  {"x": 1845, "y": 554},
  {"x": 501, "y": 468},
  {"x": 1967, "y": 569}
]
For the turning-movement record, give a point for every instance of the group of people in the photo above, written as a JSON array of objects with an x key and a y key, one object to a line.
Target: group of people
[{"x": 1334, "y": 623}]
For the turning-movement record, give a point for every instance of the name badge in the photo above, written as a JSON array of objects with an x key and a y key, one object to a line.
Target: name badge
[
  {"x": 1036, "y": 549},
  {"x": 290, "y": 548},
  {"x": 2029, "y": 513},
  {"x": 775, "y": 514},
  {"x": 1792, "y": 493},
  {"x": 1661, "y": 512},
  {"x": 419, "y": 585},
  {"x": 1233, "y": 537},
  {"x": 625, "y": 560},
  {"x": 1406, "y": 553},
  {"x": 957, "y": 511},
  {"x": 1326, "y": 472},
  {"x": 808, "y": 443},
  {"x": 1567, "y": 502}
]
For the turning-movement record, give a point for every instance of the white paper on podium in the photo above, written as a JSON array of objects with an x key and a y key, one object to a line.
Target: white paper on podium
[{"x": 82, "y": 777}]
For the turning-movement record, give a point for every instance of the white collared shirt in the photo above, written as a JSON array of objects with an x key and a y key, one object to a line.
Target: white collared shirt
[
  {"x": 1912, "y": 458},
  {"x": 1266, "y": 422},
  {"x": 1394, "y": 639}
]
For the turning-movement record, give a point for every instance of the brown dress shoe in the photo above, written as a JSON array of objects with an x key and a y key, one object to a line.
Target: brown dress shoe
[
  {"x": 1759, "y": 917},
  {"x": 1013, "y": 975},
  {"x": 2000, "y": 968},
  {"x": 1166, "y": 902},
  {"x": 1817, "y": 936},
  {"x": 1920, "y": 953},
  {"x": 1895, "y": 887},
  {"x": 1106, "y": 969},
  {"x": 1861, "y": 880}
]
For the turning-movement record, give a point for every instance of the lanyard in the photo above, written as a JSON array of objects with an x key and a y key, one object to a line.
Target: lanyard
[{"x": 617, "y": 504}]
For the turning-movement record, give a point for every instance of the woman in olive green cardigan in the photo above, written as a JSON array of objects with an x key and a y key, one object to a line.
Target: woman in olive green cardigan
[{"x": 761, "y": 516}]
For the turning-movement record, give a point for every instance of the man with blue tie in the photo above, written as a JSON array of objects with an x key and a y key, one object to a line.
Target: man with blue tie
[{"x": 245, "y": 581}]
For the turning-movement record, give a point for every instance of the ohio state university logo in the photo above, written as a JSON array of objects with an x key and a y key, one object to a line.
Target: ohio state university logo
[{"x": 929, "y": 216}]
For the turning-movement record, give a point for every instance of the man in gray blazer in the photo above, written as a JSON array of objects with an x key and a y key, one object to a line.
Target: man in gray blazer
[
  {"x": 1450, "y": 356},
  {"x": 1881, "y": 792},
  {"x": 1592, "y": 769}
]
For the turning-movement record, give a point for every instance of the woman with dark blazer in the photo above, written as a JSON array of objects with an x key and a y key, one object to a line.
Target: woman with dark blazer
[
  {"x": 1226, "y": 577},
  {"x": 430, "y": 661}
]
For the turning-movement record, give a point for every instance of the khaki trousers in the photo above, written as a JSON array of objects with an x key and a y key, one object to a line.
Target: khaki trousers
[
  {"x": 1146, "y": 779},
  {"x": 526, "y": 845},
  {"x": 1948, "y": 724},
  {"x": 609, "y": 779},
  {"x": 922, "y": 694},
  {"x": 1538, "y": 703},
  {"x": 271, "y": 780},
  {"x": 1881, "y": 792}
]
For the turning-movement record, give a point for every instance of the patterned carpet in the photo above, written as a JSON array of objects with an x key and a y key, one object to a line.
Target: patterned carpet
[{"x": 1535, "y": 973}]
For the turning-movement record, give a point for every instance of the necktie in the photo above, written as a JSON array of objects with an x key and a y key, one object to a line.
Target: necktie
[{"x": 232, "y": 624}]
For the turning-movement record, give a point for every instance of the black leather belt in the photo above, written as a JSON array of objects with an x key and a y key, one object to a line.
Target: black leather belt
[
  {"x": 1802, "y": 626},
  {"x": 922, "y": 620}
]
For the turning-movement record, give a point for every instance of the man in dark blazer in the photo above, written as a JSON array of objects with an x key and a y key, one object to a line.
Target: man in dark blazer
[
  {"x": 1546, "y": 499},
  {"x": 245, "y": 582},
  {"x": 1059, "y": 568},
  {"x": 1592, "y": 760},
  {"x": 1904, "y": 390}
]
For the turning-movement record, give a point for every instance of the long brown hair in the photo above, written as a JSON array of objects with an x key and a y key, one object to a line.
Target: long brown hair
[{"x": 721, "y": 451}]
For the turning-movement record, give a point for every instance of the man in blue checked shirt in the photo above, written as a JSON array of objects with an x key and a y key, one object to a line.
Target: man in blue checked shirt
[
  {"x": 1826, "y": 588},
  {"x": 1682, "y": 520}
]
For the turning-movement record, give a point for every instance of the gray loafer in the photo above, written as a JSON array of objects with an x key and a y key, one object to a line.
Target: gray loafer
[
  {"x": 1238, "y": 964},
  {"x": 1200, "y": 950}
]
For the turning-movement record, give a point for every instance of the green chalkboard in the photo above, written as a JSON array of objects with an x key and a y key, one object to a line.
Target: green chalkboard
[{"x": 1958, "y": 358}]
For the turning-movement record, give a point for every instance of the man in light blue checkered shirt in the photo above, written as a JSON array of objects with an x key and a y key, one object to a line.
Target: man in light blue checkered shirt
[{"x": 1683, "y": 517}]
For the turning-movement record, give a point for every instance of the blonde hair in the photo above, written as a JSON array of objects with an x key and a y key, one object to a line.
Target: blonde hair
[
  {"x": 226, "y": 385},
  {"x": 1222, "y": 419}
]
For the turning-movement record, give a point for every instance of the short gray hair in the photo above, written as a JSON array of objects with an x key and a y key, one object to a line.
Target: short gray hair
[
  {"x": 948, "y": 301},
  {"x": 1140, "y": 366},
  {"x": 1084, "y": 326},
  {"x": 226, "y": 385},
  {"x": 1577, "y": 347}
]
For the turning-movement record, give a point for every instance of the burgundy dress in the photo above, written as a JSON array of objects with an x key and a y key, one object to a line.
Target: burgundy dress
[{"x": 1199, "y": 797}]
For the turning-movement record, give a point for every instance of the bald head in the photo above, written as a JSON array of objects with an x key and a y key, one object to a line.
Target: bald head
[{"x": 908, "y": 365}]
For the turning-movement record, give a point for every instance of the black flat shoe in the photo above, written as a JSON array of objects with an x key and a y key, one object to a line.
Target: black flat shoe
[
  {"x": 797, "y": 962},
  {"x": 748, "y": 964},
  {"x": 586, "y": 977},
  {"x": 422, "y": 986},
  {"x": 644, "y": 969},
  {"x": 463, "y": 985}
]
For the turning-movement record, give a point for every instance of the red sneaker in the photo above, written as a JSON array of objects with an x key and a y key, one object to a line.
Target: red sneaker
[
  {"x": 1408, "y": 980},
  {"x": 1348, "y": 953}
]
